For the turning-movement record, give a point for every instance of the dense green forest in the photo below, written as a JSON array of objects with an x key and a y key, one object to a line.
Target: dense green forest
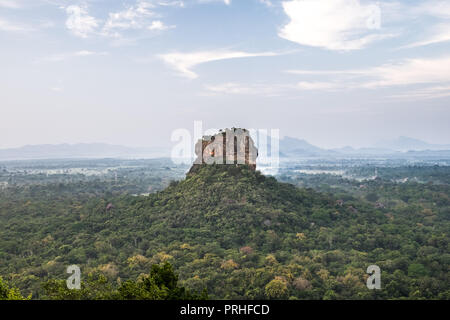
[{"x": 232, "y": 231}]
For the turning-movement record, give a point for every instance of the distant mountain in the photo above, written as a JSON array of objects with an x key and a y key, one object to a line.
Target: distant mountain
[
  {"x": 82, "y": 150},
  {"x": 293, "y": 147},
  {"x": 400, "y": 147},
  {"x": 407, "y": 144},
  {"x": 364, "y": 151},
  {"x": 296, "y": 146},
  {"x": 289, "y": 147}
]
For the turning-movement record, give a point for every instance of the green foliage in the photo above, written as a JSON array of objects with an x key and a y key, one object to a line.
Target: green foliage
[
  {"x": 276, "y": 289},
  {"x": 372, "y": 197},
  {"x": 299, "y": 243},
  {"x": 160, "y": 284},
  {"x": 417, "y": 270},
  {"x": 7, "y": 293}
]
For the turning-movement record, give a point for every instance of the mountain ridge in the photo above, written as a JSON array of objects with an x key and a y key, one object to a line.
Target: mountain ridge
[
  {"x": 290, "y": 147},
  {"x": 79, "y": 150}
]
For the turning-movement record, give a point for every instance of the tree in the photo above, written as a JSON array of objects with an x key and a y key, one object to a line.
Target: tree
[
  {"x": 276, "y": 289},
  {"x": 95, "y": 287},
  {"x": 7, "y": 293},
  {"x": 417, "y": 270},
  {"x": 160, "y": 284},
  {"x": 372, "y": 197}
]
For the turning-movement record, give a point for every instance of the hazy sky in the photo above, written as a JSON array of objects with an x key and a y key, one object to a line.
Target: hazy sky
[{"x": 333, "y": 72}]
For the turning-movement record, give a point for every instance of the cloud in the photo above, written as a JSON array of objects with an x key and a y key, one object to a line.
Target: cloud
[
  {"x": 270, "y": 90},
  {"x": 327, "y": 72},
  {"x": 317, "y": 85},
  {"x": 68, "y": 55},
  {"x": 418, "y": 78},
  {"x": 437, "y": 8},
  {"x": 79, "y": 22},
  {"x": 171, "y": 4},
  {"x": 184, "y": 62},
  {"x": 437, "y": 34},
  {"x": 10, "y": 4},
  {"x": 266, "y": 2},
  {"x": 158, "y": 25},
  {"x": 245, "y": 89},
  {"x": 227, "y": 2},
  {"x": 410, "y": 73},
  {"x": 137, "y": 18},
  {"x": 86, "y": 53},
  {"x": 134, "y": 17},
  {"x": 332, "y": 24},
  {"x": 439, "y": 31},
  {"x": 9, "y": 26},
  {"x": 425, "y": 93}
]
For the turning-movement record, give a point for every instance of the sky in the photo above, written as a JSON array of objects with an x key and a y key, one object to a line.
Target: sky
[{"x": 130, "y": 72}]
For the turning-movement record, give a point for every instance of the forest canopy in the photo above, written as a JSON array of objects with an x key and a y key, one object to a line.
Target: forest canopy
[{"x": 230, "y": 231}]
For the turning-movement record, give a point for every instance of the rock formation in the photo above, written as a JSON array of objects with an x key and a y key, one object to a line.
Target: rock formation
[{"x": 228, "y": 147}]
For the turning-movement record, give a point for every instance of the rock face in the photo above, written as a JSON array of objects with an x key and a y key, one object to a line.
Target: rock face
[{"x": 228, "y": 147}]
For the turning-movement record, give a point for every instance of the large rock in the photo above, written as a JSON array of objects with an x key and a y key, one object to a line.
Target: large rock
[{"x": 228, "y": 147}]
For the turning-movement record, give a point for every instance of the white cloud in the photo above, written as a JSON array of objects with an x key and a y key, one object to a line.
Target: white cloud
[
  {"x": 79, "y": 22},
  {"x": 185, "y": 62},
  {"x": 317, "y": 85},
  {"x": 86, "y": 53},
  {"x": 135, "y": 17},
  {"x": 10, "y": 4},
  {"x": 171, "y": 4},
  {"x": 227, "y": 2},
  {"x": 64, "y": 56},
  {"x": 266, "y": 2},
  {"x": 439, "y": 31},
  {"x": 410, "y": 72},
  {"x": 327, "y": 72},
  {"x": 425, "y": 93},
  {"x": 332, "y": 24},
  {"x": 245, "y": 89},
  {"x": 437, "y": 34},
  {"x": 406, "y": 73},
  {"x": 270, "y": 90},
  {"x": 158, "y": 25},
  {"x": 414, "y": 78},
  {"x": 9, "y": 26},
  {"x": 436, "y": 8}
]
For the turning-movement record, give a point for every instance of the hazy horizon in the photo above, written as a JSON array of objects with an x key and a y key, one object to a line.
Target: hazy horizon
[{"x": 170, "y": 144}]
